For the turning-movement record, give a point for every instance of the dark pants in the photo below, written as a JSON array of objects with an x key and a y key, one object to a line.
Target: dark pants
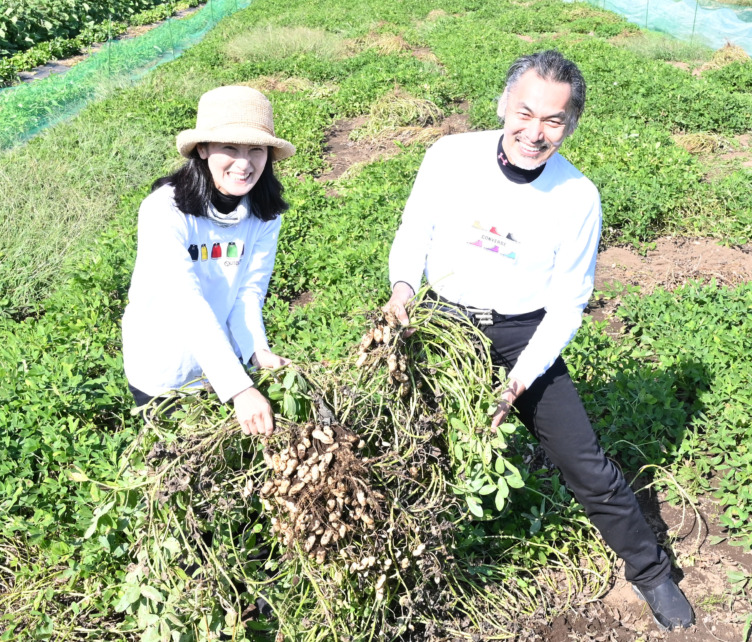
[
  {"x": 552, "y": 411},
  {"x": 141, "y": 398}
]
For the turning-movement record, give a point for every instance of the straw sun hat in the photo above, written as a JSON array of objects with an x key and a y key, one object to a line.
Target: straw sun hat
[{"x": 234, "y": 114}]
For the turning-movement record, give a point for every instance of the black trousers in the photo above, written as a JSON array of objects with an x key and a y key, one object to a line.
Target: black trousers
[
  {"x": 142, "y": 398},
  {"x": 551, "y": 409}
]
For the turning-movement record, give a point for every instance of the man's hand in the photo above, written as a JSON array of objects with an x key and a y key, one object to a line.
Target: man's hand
[
  {"x": 401, "y": 294},
  {"x": 268, "y": 360},
  {"x": 508, "y": 397},
  {"x": 253, "y": 412}
]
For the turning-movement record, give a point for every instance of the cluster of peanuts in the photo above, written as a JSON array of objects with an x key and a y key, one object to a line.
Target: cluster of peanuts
[
  {"x": 315, "y": 489},
  {"x": 381, "y": 335}
]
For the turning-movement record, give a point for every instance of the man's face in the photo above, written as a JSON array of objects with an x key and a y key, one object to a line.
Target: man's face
[{"x": 534, "y": 119}]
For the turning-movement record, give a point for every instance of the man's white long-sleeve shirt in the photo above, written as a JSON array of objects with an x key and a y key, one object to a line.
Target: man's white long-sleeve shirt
[
  {"x": 483, "y": 241},
  {"x": 196, "y": 297}
]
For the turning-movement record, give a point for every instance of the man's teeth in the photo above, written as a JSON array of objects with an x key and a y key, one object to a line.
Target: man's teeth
[{"x": 529, "y": 148}]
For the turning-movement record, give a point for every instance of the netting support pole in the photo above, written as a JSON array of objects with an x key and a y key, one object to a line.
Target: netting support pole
[
  {"x": 109, "y": 37},
  {"x": 211, "y": 11},
  {"x": 647, "y": 11},
  {"x": 694, "y": 21},
  {"x": 169, "y": 26}
]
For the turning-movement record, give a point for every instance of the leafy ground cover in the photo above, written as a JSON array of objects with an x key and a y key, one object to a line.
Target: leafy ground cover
[
  {"x": 26, "y": 24},
  {"x": 666, "y": 391},
  {"x": 60, "y": 47}
]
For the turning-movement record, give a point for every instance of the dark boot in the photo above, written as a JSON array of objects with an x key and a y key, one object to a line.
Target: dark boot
[{"x": 670, "y": 608}]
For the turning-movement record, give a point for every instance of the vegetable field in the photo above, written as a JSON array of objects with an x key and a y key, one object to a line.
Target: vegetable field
[{"x": 383, "y": 507}]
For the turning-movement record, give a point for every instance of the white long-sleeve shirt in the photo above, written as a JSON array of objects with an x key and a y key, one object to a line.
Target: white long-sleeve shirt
[
  {"x": 196, "y": 297},
  {"x": 483, "y": 241}
]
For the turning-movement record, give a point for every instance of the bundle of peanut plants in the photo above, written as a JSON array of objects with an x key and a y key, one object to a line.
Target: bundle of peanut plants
[{"x": 376, "y": 509}]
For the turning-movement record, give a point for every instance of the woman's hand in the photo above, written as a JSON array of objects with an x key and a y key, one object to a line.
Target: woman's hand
[
  {"x": 267, "y": 359},
  {"x": 253, "y": 412}
]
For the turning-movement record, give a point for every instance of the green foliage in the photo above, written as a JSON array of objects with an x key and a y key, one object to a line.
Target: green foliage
[
  {"x": 673, "y": 391},
  {"x": 24, "y": 24},
  {"x": 643, "y": 176},
  {"x": 670, "y": 392},
  {"x": 736, "y": 76},
  {"x": 59, "y": 47}
]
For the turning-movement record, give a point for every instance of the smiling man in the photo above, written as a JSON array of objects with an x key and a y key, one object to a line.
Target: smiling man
[{"x": 507, "y": 231}]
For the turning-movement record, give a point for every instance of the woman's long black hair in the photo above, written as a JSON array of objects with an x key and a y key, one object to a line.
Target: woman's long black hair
[{"x": 194, "y": 188}]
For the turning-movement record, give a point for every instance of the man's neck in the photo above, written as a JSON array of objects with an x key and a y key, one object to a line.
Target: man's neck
[{"x": 512, "y": 172}]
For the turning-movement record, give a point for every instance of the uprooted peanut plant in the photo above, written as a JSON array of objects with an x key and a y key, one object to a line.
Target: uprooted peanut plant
[{"x": 380, "y": 505}]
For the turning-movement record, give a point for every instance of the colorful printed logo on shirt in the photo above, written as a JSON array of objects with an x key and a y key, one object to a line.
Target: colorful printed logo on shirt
[
  {"x": 493, "y": 241},
  {"x": 230, "y": 251}
]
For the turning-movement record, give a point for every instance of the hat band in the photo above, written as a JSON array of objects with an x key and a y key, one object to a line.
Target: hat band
[{"x": 243, "y": 125}]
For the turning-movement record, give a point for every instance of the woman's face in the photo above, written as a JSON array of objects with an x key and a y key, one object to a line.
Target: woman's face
[{"x": 234, "y": 167}]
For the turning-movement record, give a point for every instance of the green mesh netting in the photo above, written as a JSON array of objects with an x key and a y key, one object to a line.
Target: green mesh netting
[
  {"x": 28, "y": 108},
  {"x": 711, "y": 23}
]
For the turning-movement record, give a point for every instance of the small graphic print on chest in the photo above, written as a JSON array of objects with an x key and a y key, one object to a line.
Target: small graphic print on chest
[
  {"x": 491, "y": 239},
  {"x": 217, "y": 251}
]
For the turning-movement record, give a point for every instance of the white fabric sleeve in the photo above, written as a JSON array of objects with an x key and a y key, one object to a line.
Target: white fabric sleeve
[
  {"x": 245, "y": 322},
  {"x": 572, "y": 283},
  {"x": 407, "y": 258},
  {"x": 162, "y": 245}
]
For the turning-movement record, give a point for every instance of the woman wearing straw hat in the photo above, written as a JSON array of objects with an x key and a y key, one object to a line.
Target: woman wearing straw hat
[{"x": 207, "y": 237}]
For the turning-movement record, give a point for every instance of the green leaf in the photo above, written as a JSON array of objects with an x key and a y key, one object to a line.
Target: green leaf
[
  {"x": 290, "y": 406},
  {"x": 487, "y": 454},
  {"x": 131, "y": 594},
  {"x": 487, "y": 489},
  {"x": 172, "y": 545},
  {"x": 150, "y": 593},
  {"x": 501, "y": 497},
  {"x": 458, "y": 425},
  {"x": 275, "y": 392},
  {"x": 78, "y": 476},
  {"x": 474, "y": 505}
]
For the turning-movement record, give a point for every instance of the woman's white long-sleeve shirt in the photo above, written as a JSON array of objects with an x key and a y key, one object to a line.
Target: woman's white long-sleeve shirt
[
  {"x": 196, "y": 297},
  {"x": 483, "y": 241}
]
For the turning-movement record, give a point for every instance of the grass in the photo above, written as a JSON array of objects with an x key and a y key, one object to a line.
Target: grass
[
  {"x": 61, "y": 192},
  {"x": 658, "y": 46},
  {"x": 275, "y": 43},
  {"x": 727, "y": 55},
  {"x": 384, "y": 43},
  {"x": 398, "y": 109},
  {"x": 702, "y": 143}
]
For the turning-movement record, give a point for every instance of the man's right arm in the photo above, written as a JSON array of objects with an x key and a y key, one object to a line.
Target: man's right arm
[{"x": 407, "y": 259}]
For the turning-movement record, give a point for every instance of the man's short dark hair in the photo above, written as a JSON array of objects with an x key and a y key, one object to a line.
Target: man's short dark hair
[{"x": 552, "y": 66}]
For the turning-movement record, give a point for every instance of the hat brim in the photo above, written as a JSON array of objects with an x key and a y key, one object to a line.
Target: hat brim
[{"x": 188, "y": 139}]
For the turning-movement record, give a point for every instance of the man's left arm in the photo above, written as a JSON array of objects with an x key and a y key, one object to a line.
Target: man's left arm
[{"x": 570, "y": 287}]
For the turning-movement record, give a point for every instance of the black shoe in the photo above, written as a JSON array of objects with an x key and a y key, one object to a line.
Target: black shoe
[{"x": 670, "y": 608}]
